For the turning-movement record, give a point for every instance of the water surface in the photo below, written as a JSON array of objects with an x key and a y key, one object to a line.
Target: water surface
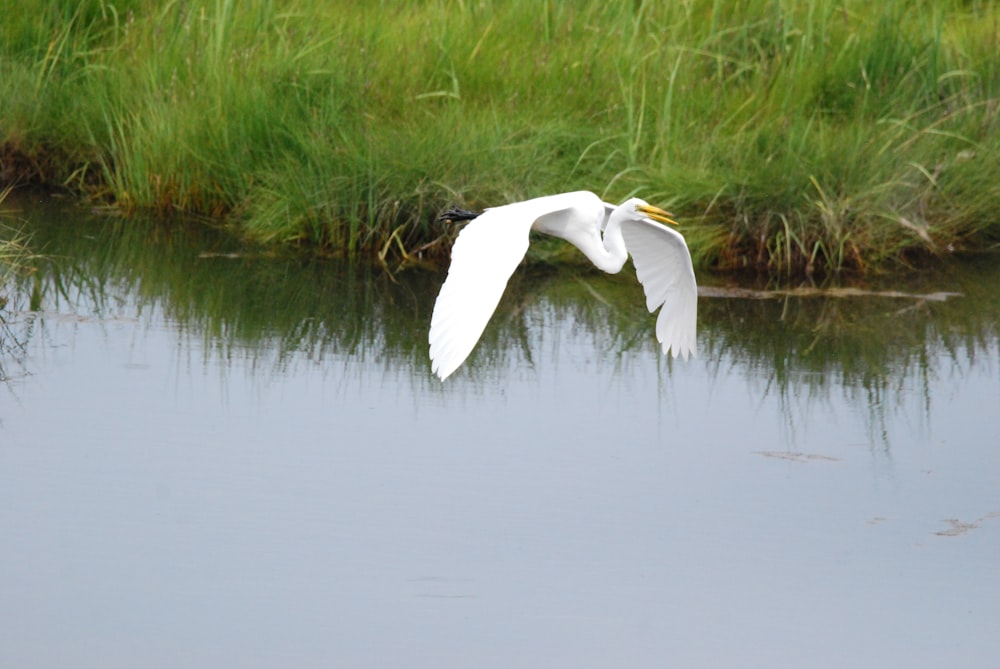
[{"x": 212, "y": 457}]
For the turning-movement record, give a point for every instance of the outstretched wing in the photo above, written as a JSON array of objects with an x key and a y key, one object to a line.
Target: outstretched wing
[
  {"x": 483, "y": 258},
  {"x": 663, "y": 265}
]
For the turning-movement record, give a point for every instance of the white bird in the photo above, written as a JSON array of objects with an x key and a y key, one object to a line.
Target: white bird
[{"x": 491, "y": 246}]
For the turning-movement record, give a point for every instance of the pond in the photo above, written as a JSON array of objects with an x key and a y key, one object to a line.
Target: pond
[{"x": 212, "y": 456}]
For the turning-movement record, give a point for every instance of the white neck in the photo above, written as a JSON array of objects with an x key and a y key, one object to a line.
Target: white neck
[{"x": 614, "y": 256}]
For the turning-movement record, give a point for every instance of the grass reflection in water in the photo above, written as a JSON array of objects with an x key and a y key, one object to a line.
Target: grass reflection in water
[{"x": 236, "y": 302}]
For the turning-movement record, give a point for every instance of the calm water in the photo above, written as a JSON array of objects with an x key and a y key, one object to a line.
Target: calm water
[{"x": 210, "y": 458}]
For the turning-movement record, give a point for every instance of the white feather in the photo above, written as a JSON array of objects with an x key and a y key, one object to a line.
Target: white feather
[
  {"x": 663, "y": 266},
  {"x": 489, "y": 249}
]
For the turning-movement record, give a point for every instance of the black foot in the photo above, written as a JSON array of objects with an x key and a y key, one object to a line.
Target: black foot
[{"x": 457, "y": 214}]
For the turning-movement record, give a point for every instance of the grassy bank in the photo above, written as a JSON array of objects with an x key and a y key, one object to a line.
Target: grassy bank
[{"x": 794, "y": 136}]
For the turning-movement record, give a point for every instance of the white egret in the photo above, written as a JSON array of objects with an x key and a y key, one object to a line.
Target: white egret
[{"x": 491, "y": 246}]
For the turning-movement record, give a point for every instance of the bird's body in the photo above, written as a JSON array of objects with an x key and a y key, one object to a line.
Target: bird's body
[{"x": 492, "y": 245}]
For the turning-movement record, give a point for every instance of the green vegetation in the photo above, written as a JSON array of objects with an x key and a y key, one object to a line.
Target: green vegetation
[
  {"x": 15, "y": 255},
  {"x": 17, "y": 262},
  {"x": 791, "y": 136}
]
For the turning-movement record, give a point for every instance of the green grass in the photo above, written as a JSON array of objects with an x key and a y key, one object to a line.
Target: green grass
[
  {"x": 16, "y": 257},
  {"x": 789, "y": 136}
]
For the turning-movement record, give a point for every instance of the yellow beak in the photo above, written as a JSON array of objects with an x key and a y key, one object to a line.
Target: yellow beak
[{"x": 657, "y": 214}]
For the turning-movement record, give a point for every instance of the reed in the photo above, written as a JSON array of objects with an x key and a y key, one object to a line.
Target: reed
[
  {"x": 16, "y": 256},
  {"x": 790, "y": 136}
]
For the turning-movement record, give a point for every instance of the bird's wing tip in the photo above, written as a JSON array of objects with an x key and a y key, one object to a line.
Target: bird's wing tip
[{"x": 683, "y": 351}]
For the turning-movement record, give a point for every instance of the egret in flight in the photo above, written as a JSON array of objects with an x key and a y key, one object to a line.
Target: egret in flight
[{"x": 491, "y": 246}]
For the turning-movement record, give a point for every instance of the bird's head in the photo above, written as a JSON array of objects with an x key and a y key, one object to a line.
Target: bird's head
[{"x": 643, "y": 208}]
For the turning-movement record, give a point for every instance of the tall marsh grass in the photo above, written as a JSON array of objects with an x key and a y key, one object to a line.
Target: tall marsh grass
[{"x": 791, "y": 136}]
